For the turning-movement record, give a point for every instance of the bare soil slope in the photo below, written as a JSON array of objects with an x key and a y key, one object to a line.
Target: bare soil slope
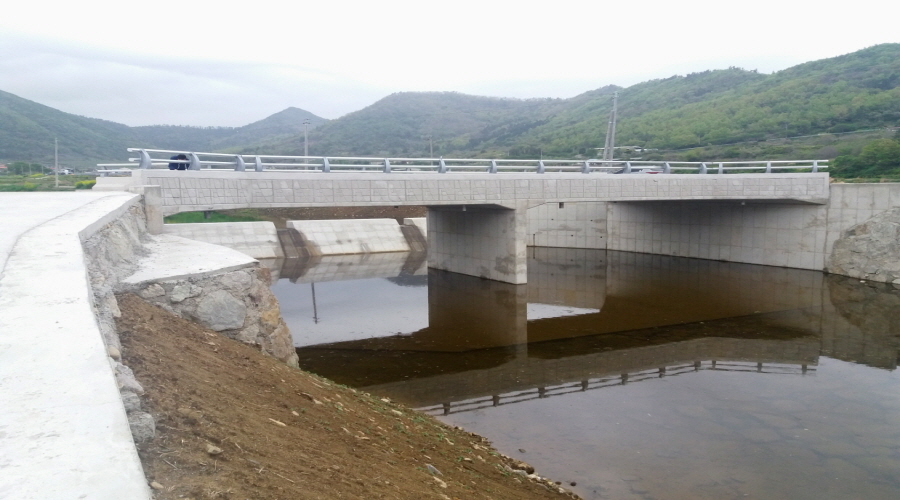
[{"x": 235, "y": 424}]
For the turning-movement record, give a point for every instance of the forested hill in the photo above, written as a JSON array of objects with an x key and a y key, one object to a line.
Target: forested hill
[
  {"x": 693, "y": 113},
  {"x": 28, "y": 131},
  {"x": 841, "y": 94}
]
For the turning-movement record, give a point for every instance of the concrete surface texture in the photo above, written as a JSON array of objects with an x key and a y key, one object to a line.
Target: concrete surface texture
[
  {"x": 63, "y": 428},
  {"x": 171, "y": 257},
  {"x": 182, "y": 191},
  {"x": 801, "y": 236},
  {"x": 256, "y": 239},
  {"x": 479, "y": 241},
  {"x": 351, "y": 236}
]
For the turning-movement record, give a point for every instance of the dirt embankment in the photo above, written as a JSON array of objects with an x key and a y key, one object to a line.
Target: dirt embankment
[{"x": 235, "y": 424}]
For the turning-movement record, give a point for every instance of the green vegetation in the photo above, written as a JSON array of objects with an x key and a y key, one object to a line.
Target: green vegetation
[
  {"x": 25, "y": 168},
  {"x": 195, "y": 217},
  {"x": 85, "y": 184},
  {"x": 879, "y": 158},
  {"x": 42, "y": 182},
  {"x": 818, "y": 110}
]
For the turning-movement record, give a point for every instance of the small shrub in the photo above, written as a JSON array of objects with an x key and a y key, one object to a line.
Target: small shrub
[
  {"x": 25, "y": 186},
  {"x": 85, "y": 184}
]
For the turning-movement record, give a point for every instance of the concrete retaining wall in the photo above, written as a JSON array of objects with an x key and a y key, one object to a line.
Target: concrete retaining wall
[
  {"x": 351, "y": 236},
  {"x": 256, "y": 239}
]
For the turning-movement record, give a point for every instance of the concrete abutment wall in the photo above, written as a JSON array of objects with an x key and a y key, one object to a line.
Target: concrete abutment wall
[{"x": 856, "y": 233}]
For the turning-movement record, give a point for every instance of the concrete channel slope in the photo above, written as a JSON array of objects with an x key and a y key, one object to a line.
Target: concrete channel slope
[{"x": 63, "y": 428}]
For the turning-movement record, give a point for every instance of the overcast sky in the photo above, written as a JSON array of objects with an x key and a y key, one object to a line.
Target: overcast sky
[{"x": 210, "y": 63}]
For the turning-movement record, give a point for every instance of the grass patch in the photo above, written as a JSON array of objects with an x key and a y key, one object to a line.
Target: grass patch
[
  {"x": 195, "y": 217},
  {"x": 41, "y": 182}
]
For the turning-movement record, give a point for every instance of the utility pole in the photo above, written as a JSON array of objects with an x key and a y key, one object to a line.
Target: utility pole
[
  {"x": 306, "y": 137},
  {"x": 611, "y": 130},
  {"x": 56, "y": 160}
]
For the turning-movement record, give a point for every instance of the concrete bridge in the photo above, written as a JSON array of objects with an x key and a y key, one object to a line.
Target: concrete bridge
[{"x": 478, "y": 223}]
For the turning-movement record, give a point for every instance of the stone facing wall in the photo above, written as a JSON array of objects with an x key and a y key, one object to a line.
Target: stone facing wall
[
  {"x": 238, "y": 304},
  {"x": 113, "y": 253}
]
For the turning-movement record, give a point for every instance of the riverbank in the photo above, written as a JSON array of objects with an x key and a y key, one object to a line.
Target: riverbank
[{"x": 233, "y": 423}]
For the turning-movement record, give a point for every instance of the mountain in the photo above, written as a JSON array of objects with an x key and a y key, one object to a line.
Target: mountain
[
  {"x": 28, "y": 131},
  {"x": 832, "y": 96},
  {"x": 718, "y": 114}
]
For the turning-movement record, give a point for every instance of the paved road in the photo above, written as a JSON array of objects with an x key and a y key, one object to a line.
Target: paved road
[{"x": 24, "y": 211}]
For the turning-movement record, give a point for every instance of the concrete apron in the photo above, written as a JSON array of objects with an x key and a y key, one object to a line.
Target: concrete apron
[{"x": 63, "y": 428}]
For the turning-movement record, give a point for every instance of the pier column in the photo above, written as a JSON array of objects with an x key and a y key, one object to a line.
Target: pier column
[{"x": 487, "y": 241}]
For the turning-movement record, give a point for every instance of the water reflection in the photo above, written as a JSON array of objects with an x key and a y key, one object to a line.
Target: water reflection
[{"x": 636, "y": 376}]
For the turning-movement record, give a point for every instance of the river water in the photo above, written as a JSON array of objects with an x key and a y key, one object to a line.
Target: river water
[{"x": 626, "y": 376}]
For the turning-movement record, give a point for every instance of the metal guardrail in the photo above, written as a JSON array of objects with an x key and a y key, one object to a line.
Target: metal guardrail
[
  {"x": 358, "y": 164},
  {"x": 612, "y": 381}
]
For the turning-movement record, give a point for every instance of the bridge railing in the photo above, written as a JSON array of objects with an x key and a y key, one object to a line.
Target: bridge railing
[
  {"x": 480, "y": 403},
  {"x": 162, "y": 158}
]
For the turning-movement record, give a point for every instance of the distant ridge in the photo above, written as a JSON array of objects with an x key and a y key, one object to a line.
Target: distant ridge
[{"x": 693, "y": 115}]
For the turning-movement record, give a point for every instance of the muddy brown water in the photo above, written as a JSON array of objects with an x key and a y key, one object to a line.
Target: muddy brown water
[{"x": 627, "y": 376}]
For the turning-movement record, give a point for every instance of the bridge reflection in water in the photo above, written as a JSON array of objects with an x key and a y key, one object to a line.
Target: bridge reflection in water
[{"x": 589, "y": 319}]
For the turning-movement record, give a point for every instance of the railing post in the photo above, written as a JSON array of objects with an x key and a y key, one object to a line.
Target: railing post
[
  {"x": 259, "y": 165},
  {"x": 442, "y": 167},
  {"x": 239, "y": 165},
  {"x": 815, "y": 166},
  {"x": 540, "y": 168},
  {"x": 493, "y": 169},
  {"x": 146, "y": 161},
  {"x": 627, "y": 167},
  {"x": 326, "y": 167},
  {"x": 768, "y": 167},
  {"x": 667, "y": 169},
  {"x": 195, "y": 162},
  {"x": 721, "y": 170},
  {"x": 703, "y": 168},
  {"x": 586, "y": 167},
  {"x": 387, "y": 166}
]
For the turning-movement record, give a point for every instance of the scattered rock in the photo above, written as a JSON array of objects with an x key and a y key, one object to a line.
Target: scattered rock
[
  {"x": 183, "y": 291},
  {"x": 152, "y": 291},
  {"x": 213, "y": 450},
  {"x": 126, "y": 381},
  {"x": 221, "y": 311},
  {"x": 131, "y": 401},
  {"x": 142, "y": 425},
  {"x": 156, "y": 486},
  {"x": 114, "y": 353},
  {"x": 432, "y": 469},
  {"x": 519, "y": 465}
]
